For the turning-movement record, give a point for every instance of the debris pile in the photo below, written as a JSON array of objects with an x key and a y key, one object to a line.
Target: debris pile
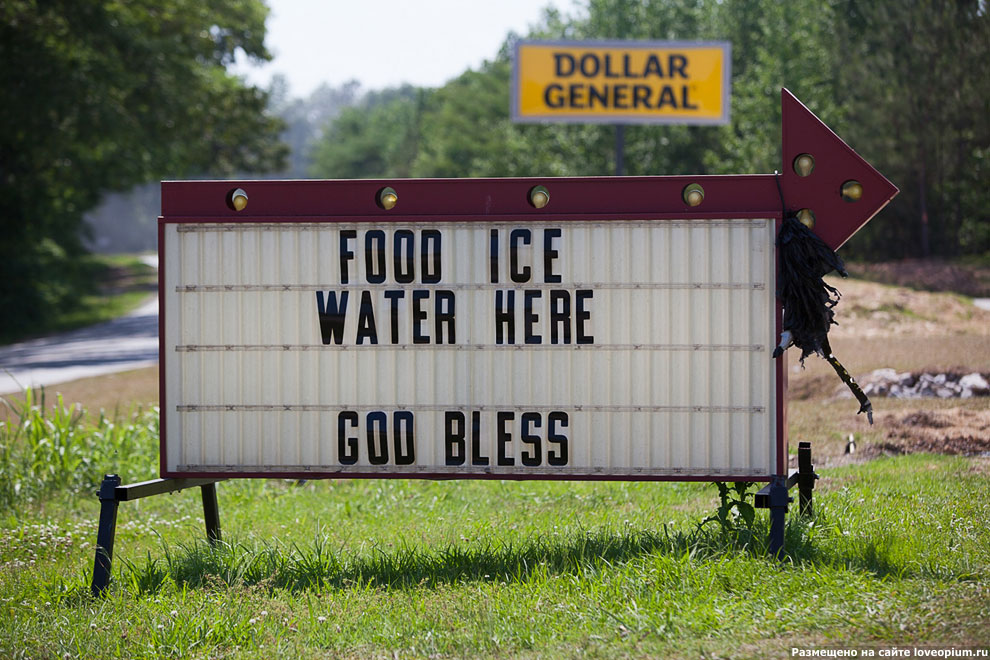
[
  {"x": 920, "y": 384},
  {"x": 955, "y": 431}
]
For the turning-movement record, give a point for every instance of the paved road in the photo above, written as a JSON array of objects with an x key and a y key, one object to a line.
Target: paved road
[{"x": 130, "y": 342}]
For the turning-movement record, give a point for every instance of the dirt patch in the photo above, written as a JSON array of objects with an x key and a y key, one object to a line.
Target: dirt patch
[
  {"x": 115, "y": 394},
  {"x": 954, "y": 431},
  {"x": 928, "y": 275},
  {"x": 980, "y": 466},
  {"x": 868, "y": 310},
  {"x": 811, "y": 386}
]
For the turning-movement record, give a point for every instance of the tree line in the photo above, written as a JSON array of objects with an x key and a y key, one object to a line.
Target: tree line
[
  {"x": 902, "y": 81},
  {"x": 100, "y": 96}
]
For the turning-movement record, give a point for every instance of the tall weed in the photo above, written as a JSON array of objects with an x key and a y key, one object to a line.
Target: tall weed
[{"x": 48, "y": 450}]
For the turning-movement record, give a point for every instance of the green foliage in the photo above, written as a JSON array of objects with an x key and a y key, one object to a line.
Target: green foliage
[
  {"x": 464, "y": 127},
  {"x": 919, "y": 103},
  {"x": 476, "y": 568},
  {"x": 115, "y": 285},
  {"x": 734, "y": 513},
  {"x": 898, "y": 80},
  {"x": 306, "y": 117},
  {"x": 351, "y": 568},
  {"x": 774, "y": 45},
  {"x": 378, "y": 138},
  {"x": 100, "y": 96},
  {"x": 45, "y": 451}
]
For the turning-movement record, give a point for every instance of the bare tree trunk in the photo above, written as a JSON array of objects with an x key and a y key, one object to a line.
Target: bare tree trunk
[{"x": 926, "y": 249}]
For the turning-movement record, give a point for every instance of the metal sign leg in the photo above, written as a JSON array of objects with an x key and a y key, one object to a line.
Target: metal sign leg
[
  {"x": 211, "y": 513},
  {"x": 112, "y": 494},
  {"x": 806, "y": 479},
  {"x": 105, "y": 533},
  {"x": 778, "y": 515},
  {"x": 774, "y": 496}
]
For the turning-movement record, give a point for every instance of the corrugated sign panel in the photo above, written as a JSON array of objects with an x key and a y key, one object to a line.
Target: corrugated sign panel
[{"x": 565, "y": 349}]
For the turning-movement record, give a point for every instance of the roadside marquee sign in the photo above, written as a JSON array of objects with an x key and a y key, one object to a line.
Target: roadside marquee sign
[
  {"x": 621, "y": 82},
  {"x": 573, "y": 328}
]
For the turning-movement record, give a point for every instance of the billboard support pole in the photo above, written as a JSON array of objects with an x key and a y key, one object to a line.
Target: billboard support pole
[{"x": 620, "y": 148}]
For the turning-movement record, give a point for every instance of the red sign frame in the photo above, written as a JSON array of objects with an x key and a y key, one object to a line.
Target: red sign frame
[{"x": 584, "y": 198}]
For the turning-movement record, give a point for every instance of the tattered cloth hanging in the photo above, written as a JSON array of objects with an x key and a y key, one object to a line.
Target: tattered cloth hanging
[{"x": 808, "y": 301}]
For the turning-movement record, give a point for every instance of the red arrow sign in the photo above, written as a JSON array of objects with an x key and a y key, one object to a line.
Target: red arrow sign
[
  {"x": 728, "y": 196},
  {"x": 835, "y": 164}
]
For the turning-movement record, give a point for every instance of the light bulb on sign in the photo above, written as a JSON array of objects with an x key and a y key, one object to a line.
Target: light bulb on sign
[{"x": 238, "y": 199}]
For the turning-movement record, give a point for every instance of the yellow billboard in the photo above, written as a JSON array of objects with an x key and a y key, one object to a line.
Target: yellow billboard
[{"x": 621, "y": 82}]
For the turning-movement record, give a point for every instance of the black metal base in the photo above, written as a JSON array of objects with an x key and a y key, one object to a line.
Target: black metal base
[
  {"x": 111, "y": 494},
  {"x": 774, "y": 496}
]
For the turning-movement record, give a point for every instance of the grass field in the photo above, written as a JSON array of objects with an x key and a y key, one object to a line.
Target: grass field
[{"x": 898, "y": 553}]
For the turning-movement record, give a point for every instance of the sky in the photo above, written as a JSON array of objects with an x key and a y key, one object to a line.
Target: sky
[{"x": 383, "y": 43}]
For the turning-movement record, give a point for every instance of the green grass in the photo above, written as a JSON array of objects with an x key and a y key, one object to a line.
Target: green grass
[
  {"x": 115, "y": 285},
  {"x": 897, "y": 554}
]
